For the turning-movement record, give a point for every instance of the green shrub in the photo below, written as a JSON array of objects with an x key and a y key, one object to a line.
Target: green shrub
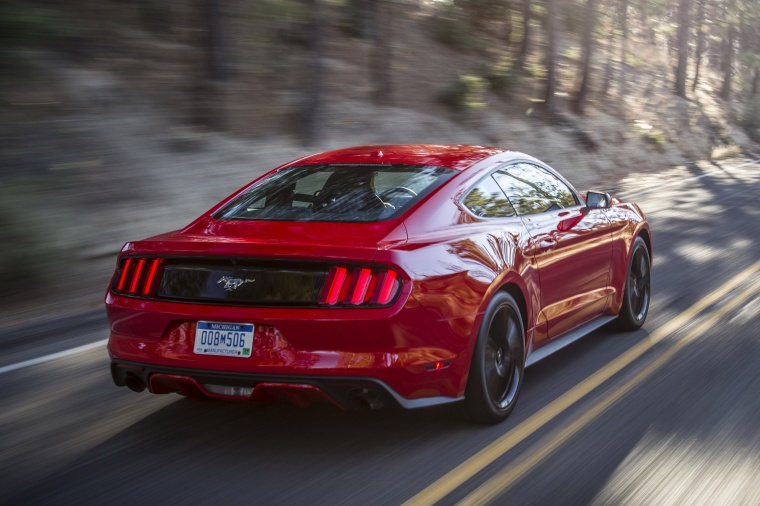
[
  {"x": 450, "y": 27},
  {"x": 501, "y": 75},
  {"x": 465, "y": 93},
  {"x": 31, "y": 26},
  {"x": 649, "y": 133}
]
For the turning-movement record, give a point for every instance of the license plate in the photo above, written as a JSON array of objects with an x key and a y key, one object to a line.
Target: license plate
[{"x": 223, "y": 339}]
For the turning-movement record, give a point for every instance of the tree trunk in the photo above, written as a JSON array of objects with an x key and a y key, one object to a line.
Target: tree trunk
[
  {"x": 208, "y": 90},
  {"x": 313, "y": 78},
  {"x": 551, "y": 58},
  {"x": 216, "y": 41},
  {"x": 728, "y": 64},
  {"x": 524, "y": 44},
  {"x": 381, "y": 52},
  {"x": 700, "y": 42},
  {"x": 683, "y": 47},
  {"x": 623, "y": 87},
  {"x": 508, "y": 23},
  {"x": 585, "y": 65}
]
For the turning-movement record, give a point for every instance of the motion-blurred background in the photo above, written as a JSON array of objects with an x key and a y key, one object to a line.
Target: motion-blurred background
[{"x": 120, "y": 119}]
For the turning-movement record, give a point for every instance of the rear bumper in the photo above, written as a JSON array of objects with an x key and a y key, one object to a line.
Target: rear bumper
[
  {"x": 357, "y": 393},
  {"x": 406, "y": 351}
]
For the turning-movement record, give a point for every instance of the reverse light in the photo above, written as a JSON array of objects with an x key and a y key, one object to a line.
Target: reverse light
[{"x": 360, "y": 286}]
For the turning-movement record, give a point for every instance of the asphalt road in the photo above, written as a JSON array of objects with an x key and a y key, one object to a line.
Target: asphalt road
[{"x": 664, "y": 415}]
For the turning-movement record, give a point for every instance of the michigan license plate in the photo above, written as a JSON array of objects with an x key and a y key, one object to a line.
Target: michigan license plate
[{"x": 223, "y": 339}]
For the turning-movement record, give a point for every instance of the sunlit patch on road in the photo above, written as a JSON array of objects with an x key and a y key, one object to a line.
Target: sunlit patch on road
[{"x": 720, "y": 469}]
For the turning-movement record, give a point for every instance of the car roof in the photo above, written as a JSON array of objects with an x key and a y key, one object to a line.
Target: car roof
[{"x": 457, "y": 157}]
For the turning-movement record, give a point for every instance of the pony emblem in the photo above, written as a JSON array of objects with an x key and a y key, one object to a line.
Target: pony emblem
[{"x": 231, "y": 283}]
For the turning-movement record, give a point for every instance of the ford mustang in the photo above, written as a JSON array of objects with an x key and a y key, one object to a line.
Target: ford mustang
[{"x": 405, "y": 275}]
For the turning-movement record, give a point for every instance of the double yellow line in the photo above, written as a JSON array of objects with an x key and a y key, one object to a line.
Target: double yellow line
[{"x": 504, "y": 479}]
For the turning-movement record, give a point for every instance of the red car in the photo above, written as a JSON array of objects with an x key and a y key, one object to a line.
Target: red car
[{"x": 376, "y": 276}]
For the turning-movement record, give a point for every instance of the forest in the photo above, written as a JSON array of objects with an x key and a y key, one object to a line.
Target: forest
[
  {"x": 210, "y": 60},
  {"x": 124, "y": 118}
]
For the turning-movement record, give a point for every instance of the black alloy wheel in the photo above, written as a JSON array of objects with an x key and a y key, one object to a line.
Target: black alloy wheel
[
  {"x": 498, "y": 362},
  {"x": 636, "y": 297}
]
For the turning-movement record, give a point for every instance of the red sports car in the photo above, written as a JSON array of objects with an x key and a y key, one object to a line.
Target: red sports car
[{"x": 376, "y": 276}]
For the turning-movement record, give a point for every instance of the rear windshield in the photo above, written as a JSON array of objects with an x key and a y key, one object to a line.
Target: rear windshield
[{"x": 351, "y": 193}]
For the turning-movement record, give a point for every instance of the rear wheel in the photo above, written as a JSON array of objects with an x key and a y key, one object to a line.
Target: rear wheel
[
  {"x": 635, "y": 306},
  {"x": 496, "y": 371}
]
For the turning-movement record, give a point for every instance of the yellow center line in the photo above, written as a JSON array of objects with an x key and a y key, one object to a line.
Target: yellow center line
[
  {"x": 503, "y": 480},
  {"x": 467, "y": 469}
]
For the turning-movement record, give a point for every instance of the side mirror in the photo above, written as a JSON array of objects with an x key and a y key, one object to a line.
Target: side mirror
[{"x": 598, "y": 200}]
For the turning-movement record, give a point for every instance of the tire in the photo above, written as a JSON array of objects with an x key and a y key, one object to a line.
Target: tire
[
  {"x": 498, "y": 361},
  {"x": 636, "y": 295}
]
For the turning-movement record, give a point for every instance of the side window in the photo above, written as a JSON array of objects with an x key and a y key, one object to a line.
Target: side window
[
  {"x": 533, "y": 190},
  {"x": 488, "y": 201}
]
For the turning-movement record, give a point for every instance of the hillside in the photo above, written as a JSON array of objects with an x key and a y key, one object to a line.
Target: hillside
[{"x": 111, "y": 132}]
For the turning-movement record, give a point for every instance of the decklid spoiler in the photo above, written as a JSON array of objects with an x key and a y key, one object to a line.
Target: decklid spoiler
[{"x": 275, "y": 239}]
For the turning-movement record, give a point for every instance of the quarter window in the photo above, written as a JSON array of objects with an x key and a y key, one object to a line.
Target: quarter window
[
  {"x": 532, "y": 190},
  {"x": 488, "y": 201}
]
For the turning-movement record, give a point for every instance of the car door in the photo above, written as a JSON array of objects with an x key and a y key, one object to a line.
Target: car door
[{"x": 570, "y": 245}]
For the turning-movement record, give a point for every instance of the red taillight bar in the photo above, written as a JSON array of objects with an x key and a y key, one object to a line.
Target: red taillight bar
[
  {"x": 362, "y": 277},
  {"x": 388, "y": 285},
  {"x": 137, "y": 276},
  {"x": 151, "y": 276},
  {"x": 124, "y": 274},
  {"x": 334, "y": 285},
  {"x": 359, "y": 287}
]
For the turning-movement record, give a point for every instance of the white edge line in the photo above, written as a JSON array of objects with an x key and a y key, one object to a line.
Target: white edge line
[
  {"x": 681, "y": 181},
  {"x": 52, "y": 356}
]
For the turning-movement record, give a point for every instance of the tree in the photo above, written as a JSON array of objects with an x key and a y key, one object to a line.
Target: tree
[
  {"x": 313, "y": 79},
  {"x": 522, "y": 55},
  {"x": 551, "y": 57},
  {"x": 727, "y": 60},
  {"x": 380, "y": 71},
  {"x": 699, "y": 22},
  {"x": 728, "y": 63},
  {"x": 585, "y": 64},
  {"x": 208, "y": 87},
  {"x": 623, "y": 46},
  {"x": 684, "y": 21}
]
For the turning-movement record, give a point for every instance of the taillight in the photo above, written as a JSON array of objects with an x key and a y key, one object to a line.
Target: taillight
[
  {"x": 136, "y": 276},
  {"x": 359, "y": 286}
]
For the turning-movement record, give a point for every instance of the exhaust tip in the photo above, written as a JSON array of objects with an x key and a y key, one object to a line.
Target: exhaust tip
[
  {"x": 134, "y": 383},
  {"x": 365, "y": 400}
]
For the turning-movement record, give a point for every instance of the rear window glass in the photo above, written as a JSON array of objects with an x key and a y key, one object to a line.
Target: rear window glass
[{"x": 351, "y": 193}]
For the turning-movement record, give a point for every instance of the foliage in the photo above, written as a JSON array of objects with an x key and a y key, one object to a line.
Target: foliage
[
  {"x": 536, "y": 71},
  {"x": 451, "y": 28},
  {"x": 465, "y": 93},
  {"x": 572, "y": 16},
  {"x": 573, "y": 53},
  {"x": 649, "y": 133},
  {"x": 501, "y": 75},
  {"x": 24, "y": 25},
  {"x": 481, "y": 9}
]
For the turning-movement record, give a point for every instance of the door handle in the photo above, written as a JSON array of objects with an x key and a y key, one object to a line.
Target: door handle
[{"x": 547, "y": 244}]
